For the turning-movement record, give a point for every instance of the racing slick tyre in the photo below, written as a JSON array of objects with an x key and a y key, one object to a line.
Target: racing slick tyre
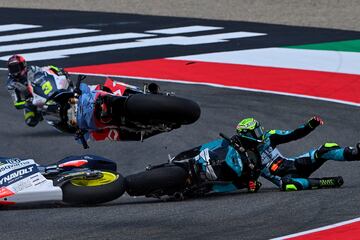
[
  {"x": 93, "y": 191},
  {"x": 161, "y": 108},
  {"x": 165, "y": 180}
]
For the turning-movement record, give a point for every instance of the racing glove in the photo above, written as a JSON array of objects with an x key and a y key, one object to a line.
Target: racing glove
[
  {"x": 315, "y": 122},
  {"x": 254, "y": 186},
  {"x": 236, "y": 142}
]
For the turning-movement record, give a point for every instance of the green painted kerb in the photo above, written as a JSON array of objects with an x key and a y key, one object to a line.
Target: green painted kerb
[{"x": 345, "y": 46}]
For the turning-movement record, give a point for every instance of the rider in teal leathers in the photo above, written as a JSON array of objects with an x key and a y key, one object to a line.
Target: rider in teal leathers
[{"x": 293, "y": 173}]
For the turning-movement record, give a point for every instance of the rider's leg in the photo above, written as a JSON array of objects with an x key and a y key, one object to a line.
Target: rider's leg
[
  {"x": 31, "y": 116},
  {"x": 308, "y": 163},
  {"x": 296, "y": 184},
  {"x": 332, "y": 151}
]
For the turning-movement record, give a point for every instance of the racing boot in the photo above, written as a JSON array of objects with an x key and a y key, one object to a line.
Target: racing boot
[
  {"x": 352, "y": 153},
  {"x": 326, "y": 182},
  {"x": 290, "y": 184}
]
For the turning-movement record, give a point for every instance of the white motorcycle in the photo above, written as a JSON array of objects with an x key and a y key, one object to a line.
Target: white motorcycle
[
  {"x": 86, "y": 179},
  {"x": 45, "y": 85}
]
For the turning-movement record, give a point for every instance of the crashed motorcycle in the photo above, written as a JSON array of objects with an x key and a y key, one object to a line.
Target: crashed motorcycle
[
  {"x": 85, "y": 179},
  {"x": 183, "y": 177},
  {"x": 122, "y": 107}
]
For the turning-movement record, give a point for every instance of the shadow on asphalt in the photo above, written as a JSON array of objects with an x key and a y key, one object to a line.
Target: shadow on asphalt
[{"x": 130, "y": 201}]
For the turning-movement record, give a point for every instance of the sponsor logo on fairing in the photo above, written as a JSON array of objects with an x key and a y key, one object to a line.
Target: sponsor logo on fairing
[
  {"x": 13, "y": 165},
  {"x": 4, "y": 161},
  {"x": 16, "y": 175}
]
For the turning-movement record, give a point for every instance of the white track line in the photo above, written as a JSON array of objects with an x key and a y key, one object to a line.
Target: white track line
[
  {"x": 14, "y": 27},
  {"x": 221, "y": 86},
  {"x": 289, "y": 58},
  {"x": 140, "y": 43},
  {"x": 188, "y": 29},
  {"x": 317, "y": 229},
  {"x": 44, "y": 34},
  {"x": 70, "y": 41}
]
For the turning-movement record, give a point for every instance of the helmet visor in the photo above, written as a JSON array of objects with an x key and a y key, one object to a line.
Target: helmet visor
[
  {"x": 258, "y": 132},
  {"x": 14, "y": 69}
]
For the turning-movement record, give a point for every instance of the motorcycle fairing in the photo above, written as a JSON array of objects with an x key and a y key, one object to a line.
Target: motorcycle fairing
[
  {"x": 46, "y": 84},
  {"x": 224, "y": 151},
  {"x": 118, "y": 89},
  {"x": 21, "y": 182},
  {"x": 92, "y": 162}
]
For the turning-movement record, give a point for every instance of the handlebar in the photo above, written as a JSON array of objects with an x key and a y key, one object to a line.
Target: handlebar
[
  {"x": 225, "y": 137},
  {"x": 237, "y": 145},
  {"x": 242, "y": 151}
]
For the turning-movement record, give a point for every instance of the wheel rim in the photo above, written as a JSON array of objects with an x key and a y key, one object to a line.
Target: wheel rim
[{"x": 107, "y": 177}]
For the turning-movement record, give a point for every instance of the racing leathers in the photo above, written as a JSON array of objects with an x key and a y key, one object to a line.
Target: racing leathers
[
  {"x": 94, "y": 125},
  {"x": 21, "y": 95},
  {"x": 222, "y": 167},
  {"x": 294, "y": 173}
]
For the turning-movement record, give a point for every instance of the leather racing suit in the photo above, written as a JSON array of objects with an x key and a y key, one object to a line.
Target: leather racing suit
[
  {"x": 21, "y": 95},
  {"x": 281, "y": 170}
]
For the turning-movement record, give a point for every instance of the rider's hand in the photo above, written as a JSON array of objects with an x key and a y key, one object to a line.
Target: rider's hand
[
  {"x": 236, "y": 143},
  {"x": 254, "y": 186},
  {"x": 235, "y": 140},
  {"x": 315, "y": 121}
]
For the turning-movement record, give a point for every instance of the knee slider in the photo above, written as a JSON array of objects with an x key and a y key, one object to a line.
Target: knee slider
[
  {"x": 288, "y": 184},
  {"x": 325, "y": 149}
]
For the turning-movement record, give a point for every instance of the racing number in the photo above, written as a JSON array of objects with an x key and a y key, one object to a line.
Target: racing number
[{"x": 46, "y": 87}]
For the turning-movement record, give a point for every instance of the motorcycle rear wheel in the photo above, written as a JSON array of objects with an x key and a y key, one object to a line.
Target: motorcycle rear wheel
[
  {"x": 165, "y": 180},
  {"x": 150, "y": 108},
  {"x": 94, "y": 191}
]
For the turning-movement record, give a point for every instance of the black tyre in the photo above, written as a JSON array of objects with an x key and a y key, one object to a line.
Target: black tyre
[
  {"x": 81, "y": 191},
  {"x": 150, "y": 108},
  {"x": 165, "y": 180}
]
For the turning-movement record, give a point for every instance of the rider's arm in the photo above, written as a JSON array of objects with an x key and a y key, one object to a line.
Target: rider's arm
[
  {"x": 19, "y": 103},
  {"x": 278, "y": 137}
]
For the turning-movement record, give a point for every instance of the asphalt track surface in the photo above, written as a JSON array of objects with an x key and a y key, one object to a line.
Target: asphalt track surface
[
  {"x": 240, "y": 215},
  {"x": 267, "y": 214}
]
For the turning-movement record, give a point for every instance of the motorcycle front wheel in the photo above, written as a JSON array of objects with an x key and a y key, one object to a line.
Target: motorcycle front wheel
[{"x": 106, "y": 188}]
